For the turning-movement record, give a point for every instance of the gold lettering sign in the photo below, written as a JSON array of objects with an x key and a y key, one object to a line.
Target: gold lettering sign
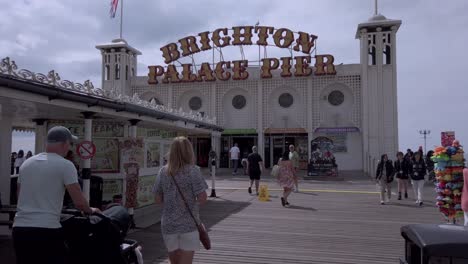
[
  {"x": 247, "y": 35},
  {"x": 237, "y": 70},
  {"x": 189, "y": 45}
]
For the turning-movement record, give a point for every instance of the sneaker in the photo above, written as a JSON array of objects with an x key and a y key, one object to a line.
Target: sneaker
[
  {"x": 420, "y": 203},
  {"x": 406, "y": 195},
  {"x": 417, "y": 201},
  {"x": 250, "y": 190},
  {"x": 286, "y": 205},
  {"x": 283, "y": 202},
  {"x": 382, "y": 202}
]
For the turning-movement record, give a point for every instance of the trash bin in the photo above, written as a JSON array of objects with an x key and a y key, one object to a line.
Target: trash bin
[
  {"x": 435, "y": 244},
  {"x": 95, "y": 191}
]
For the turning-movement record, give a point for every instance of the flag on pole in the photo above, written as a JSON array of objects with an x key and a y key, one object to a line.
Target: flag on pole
[{"x": 113, "y": 9}]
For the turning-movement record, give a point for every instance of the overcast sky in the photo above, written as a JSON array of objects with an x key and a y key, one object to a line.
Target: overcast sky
[{"x": 431, "y": 50}]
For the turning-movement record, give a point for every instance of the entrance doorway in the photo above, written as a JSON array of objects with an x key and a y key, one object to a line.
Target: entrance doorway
[
  {"x": 276, "y": 145},
  {"x": 245, "y": 144}
]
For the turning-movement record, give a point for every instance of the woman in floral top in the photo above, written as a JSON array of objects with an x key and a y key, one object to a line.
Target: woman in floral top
[
  {"x": 286, "y": 177},
  {"x": 179, "y": 231}
]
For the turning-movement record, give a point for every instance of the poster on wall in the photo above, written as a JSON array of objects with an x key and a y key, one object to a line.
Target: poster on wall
[
  {"x": 106, "y": 159},
  {"x": 132, "y": 151},
  {"x": 132, "y": 159},
  {"x": 111, "y": 188},
  {"x": 152, "y": 154},
  {"x": 447, "y": 138},
  {"x": 339, "y": 142},
  {"x": 166, "y": 148},
  {"x": 145, "y": 195},
  {"x": 322, "y": 160}
]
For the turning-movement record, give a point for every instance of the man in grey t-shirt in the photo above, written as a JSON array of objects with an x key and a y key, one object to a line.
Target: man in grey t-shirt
[{"x": 43, "y": 178}]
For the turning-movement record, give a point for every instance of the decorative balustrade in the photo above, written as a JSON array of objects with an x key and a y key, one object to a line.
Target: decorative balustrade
[{"x": 9, "y": 67}]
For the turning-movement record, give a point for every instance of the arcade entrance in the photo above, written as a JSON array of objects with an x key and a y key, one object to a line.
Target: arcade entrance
[
  {"x": 245, "y": 143},
  {"x": 276, "y": 145}
]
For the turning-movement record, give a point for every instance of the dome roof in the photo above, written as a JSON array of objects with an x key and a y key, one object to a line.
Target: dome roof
[{"x": 377, "y": 17}]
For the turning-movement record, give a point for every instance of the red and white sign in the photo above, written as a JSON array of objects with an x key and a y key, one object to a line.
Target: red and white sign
[{"x": 86, "y": 150}]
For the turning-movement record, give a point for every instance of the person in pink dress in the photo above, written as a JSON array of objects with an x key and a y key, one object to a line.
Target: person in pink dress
[
  {"x": 286, "y": 177},
  {"x": 465, "y": 195}
]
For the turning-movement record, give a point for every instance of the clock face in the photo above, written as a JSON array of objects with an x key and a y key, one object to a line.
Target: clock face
[
  {"x": 336, "y": 98},
  {"x": 195, "y": 103},
  {"x": 286, "y": 100},
  {"x": 239, "y": 102}
]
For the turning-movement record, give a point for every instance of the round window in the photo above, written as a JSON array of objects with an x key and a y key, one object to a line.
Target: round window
[
  {"x": 239, "y": 101},
  {"x": 195, "y": 103},
  {"x": 286, "y": 100},
  {"x": 336, "y": 98}
]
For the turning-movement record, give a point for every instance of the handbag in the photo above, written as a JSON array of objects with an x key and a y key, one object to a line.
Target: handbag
[
  {"x": 275, "y": 171},
  {"x": 202, "y": 232}
]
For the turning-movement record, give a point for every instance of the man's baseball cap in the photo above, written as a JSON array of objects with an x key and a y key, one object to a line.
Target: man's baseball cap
[{"x": 59, "y": 134}]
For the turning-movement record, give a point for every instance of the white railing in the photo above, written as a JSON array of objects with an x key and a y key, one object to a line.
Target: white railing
[{"x": 9, "y": 67}]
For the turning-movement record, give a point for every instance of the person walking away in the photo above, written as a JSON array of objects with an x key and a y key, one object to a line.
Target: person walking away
[
  {"x": 28, "y": 155},
  {"x": 384, "y": 176},
  {"x": 180, "y": 233},
  {"x": 254, "y": 168},
  {"x": 19, "y": 160},
  {"x": 13, "y": 157},
  {"x": 294, "y": 158},
  {"x": 286, "y": 177},
  {"x": 401, "y": 167},
  {"x": 234, "y": 153},
  {"x": 464, "y": 202},
  {"x": 417, "y": 173},
  {"x": 43, "y": 178},
  {"x": 212, "y": 156}
]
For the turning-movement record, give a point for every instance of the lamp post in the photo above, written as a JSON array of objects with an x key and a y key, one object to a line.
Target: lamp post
[{"x": 425, "y": 133}]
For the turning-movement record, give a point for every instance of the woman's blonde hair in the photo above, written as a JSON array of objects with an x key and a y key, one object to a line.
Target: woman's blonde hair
[{"x": 180, "y": 154}]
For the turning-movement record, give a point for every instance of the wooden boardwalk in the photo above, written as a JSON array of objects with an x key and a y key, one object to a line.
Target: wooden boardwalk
[{"x": 320, "y": 227}]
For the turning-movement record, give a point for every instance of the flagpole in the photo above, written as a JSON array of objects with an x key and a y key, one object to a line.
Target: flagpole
[{"x": 121, "y": 17}]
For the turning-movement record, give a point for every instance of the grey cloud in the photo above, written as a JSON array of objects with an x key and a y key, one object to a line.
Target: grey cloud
[{"x": 42, "y": 35}]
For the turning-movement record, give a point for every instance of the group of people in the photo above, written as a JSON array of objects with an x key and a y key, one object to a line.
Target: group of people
[
  {"x": 17, "y": 160},
  {"x": 412, "y": 166},
  {"x": 288, "y": 166}
]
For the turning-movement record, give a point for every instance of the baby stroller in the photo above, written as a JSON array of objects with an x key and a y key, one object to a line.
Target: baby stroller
[{"x": 99, "y": 238}]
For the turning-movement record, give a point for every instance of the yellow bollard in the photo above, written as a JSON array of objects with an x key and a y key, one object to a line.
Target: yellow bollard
[{"x": 263, "y": 195}]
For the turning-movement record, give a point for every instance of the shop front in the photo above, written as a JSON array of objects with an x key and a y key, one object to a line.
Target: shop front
[{"x": 278, "y": 140}]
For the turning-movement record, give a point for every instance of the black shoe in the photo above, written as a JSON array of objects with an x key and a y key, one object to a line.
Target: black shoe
[
  {"x": 250, "y": 190},
  {"x": 399, "y": 196},
  {"x": 406, "y": 195},
  {"x": 283, "y": 202},
  {"x": 420, "y": 203}
]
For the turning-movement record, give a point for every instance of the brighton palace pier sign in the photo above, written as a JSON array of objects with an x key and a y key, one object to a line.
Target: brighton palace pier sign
[{"x": 243, "y": 35}]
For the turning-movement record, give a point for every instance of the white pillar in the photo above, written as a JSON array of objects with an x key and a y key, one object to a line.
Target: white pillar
[
  {"x": 86, "y": 172},
  {"x": 41, "y": 134},
  {"x": 259, "y": 112},
  {"x": 310, "y": 137},
  {"x": 5, "y": 152}
]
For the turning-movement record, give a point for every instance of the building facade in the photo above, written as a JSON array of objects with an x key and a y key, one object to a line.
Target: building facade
[{"x": 356, "y": 107}]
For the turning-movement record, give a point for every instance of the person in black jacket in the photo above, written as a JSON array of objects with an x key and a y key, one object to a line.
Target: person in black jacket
[
  {"x": 401, "y": 167},
  {"x": 417, "y": 173},
  {"x": 384, "y": 176}
]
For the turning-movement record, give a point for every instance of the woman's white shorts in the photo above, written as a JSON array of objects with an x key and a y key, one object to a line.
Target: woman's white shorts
[{"x": 185, "y": 241}]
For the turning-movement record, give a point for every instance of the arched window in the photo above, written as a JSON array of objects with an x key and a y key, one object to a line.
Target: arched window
[
  {"x": 126, "y": 72},
  {"x": 107, "y": 73}
]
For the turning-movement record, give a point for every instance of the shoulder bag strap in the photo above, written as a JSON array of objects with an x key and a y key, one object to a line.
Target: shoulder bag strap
[{"x": 183, "y": 198}]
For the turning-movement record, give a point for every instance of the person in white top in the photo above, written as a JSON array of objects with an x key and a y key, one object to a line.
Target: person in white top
[
  {"x": 234, "y": 157},
  {"x": 19, "y": 160},
  {"x": 43, "y": 178}
]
